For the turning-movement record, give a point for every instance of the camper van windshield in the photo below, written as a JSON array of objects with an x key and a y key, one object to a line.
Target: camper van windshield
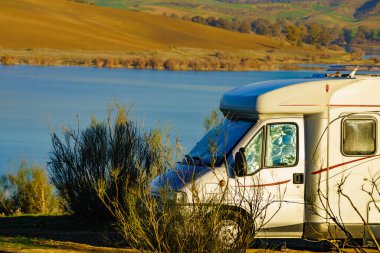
[{"x": 219, "y": 142}]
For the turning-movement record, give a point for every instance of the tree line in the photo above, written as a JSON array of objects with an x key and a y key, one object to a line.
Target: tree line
[{"x": 295, "y": 32}]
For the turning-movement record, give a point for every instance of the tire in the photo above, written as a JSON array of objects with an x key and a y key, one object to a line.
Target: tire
[{"x": 230, "y": 230}]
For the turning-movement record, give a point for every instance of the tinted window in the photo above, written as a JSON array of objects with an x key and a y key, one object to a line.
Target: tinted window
[
  {"x": 281, "y": 145},
  {"x": 253, "y": 153},
  {"x": 359, "y": 136}
]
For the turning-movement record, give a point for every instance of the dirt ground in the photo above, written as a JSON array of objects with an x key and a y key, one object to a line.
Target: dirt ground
[{"x": 45, "y": 234}]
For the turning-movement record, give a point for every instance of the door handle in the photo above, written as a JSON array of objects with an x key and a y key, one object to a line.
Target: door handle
[{"x": 298, "y": 178}]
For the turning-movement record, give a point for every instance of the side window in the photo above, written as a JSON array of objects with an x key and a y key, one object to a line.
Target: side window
[
  {"x": 253, "y": 152},
  {"x": 281, "y": 145},
  {"x": 359, "y": 136}
]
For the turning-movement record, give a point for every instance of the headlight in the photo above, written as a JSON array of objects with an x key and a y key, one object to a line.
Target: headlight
[{"x": 180, "y": 197}]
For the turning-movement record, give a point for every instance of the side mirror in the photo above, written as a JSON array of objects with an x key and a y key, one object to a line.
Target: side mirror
[{"x": 240, "y": 165}]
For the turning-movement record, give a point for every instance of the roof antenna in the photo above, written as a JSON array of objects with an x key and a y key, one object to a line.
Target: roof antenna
[{"x": 352, "y": 74}]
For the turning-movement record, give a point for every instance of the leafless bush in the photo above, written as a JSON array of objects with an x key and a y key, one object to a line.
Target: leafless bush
[
  {"x": 139, "y": 62},
  {"x": 98, "y": 62},
  {"x": 335, "y": 215},
  {"x": 319, "y": 204},
  {"x": 165, "y": 223},
  {"x": 8, "y": 60},
  {"x": 155, "y": 63},
  {"x": 171, "y": 64},
  {"x": 112, "y": 62}
]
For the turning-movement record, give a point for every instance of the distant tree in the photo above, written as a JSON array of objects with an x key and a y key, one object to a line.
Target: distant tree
[
  {"x": 211, "y": 21},
  {"x": 293, "y": 33},
  {"x": 303, "y": 30},
  {"x": 363, "y": 32},
  {"x": 347, "y": 33},
  {"x": 275, "y": 29},
  {"x": 261, "y": 26},
  {"x": 372, "y": 35},
  {"x": 225, "y": 24},
  {"x": 199, "y": 19},
  {"x": 360, "y": 34},
  {"x": 329, "y": 34},
  {"x": 236, "y": 23},
  {"x": 341, "y": 40},
  {"x": 245, "y": 27},
  {"x": 314, "y": 33}
]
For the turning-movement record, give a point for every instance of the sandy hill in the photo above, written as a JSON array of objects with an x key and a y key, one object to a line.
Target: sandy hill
[{"x": 62, "y": 24}]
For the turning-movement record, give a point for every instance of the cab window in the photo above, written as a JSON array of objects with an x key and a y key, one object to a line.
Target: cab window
[
  {"x": 281, "y": 145},
  {"x": 253, "y": 152}
]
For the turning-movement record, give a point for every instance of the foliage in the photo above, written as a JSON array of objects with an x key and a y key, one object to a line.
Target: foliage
[
  {"x": 153, "y": 217},
  {"x": 158, "y": 223},
  {"x": 7, "y": 60},
  {"x": 81, "y": 158},
  {"x": 212, "y": 120},
  {"x": 7, "y": 205},
  {"x": 27, "y": 191},
  {"x": 295, "y": 32}
]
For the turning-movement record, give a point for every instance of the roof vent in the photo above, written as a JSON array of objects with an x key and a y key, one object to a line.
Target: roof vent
[{"x": 349, "y": 71}]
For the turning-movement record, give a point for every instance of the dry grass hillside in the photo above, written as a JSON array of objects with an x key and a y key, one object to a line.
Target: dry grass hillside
[
  {"x": 329, "y": 12},
  {"x": 62, "y": 32},
  {"x": 62, "y": 24}
]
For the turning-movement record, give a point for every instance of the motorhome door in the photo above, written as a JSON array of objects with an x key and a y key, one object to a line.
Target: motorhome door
[{"x": 274, "y": 176}]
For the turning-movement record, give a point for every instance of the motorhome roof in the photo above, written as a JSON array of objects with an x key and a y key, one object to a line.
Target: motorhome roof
[{"x": 299, "y": 96}]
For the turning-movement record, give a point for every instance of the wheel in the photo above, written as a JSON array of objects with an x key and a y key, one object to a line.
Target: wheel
[{"x": 232, "y": 230}]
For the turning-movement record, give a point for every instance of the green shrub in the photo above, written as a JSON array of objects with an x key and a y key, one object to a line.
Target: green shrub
[
  {"x": 81, "y": 158},
  {"x": 6, "y": 202},
  {"x": 27, "y": 191}
]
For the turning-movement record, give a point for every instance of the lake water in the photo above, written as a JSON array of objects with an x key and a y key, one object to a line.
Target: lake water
[{"x": 34, "y": 99}]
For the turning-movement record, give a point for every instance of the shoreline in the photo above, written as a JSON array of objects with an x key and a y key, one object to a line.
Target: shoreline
[{"x": 181, "y": 59}]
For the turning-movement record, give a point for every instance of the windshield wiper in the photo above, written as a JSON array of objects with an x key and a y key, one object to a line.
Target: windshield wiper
[
  {"x": 192, "y": 158},
  {"x": 196, "y": 160}
]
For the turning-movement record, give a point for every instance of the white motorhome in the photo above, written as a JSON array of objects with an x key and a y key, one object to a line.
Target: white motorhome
[{"x": 297, "y": 140}]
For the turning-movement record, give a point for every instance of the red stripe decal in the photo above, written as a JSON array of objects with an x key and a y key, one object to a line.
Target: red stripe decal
[
  {"x": 337, "y": 105},
  {"x": 334, "y": 105},
  {"x": 355, "y": 105},
  {"x": 342, "y": 164},
  {"x": 303, "y": 105},
  {"x": 262, "y": 185}
]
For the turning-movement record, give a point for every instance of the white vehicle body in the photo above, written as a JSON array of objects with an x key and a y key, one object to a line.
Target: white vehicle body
[{"x": 307, "y": 135}]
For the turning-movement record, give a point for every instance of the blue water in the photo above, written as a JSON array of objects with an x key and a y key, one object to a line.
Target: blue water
[
  {"x": 34, "y": 100},
  {"x": 368, "y": 56}
]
